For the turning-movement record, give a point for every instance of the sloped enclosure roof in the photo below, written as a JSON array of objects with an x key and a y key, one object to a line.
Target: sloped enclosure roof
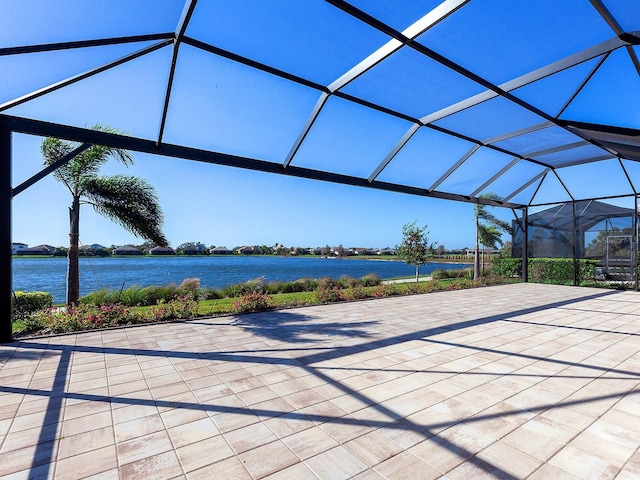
[{"x": 534, "y": 102}]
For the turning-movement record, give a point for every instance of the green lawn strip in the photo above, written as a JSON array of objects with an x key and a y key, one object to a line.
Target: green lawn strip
[{"x": 227, "y": 306}]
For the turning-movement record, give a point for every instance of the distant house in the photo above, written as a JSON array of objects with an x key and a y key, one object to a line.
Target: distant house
[
  {"x": 220, "y": 251},
  {"x": 387, "y": 251},
  {"x": 37, "y": 250},
  {"x": 245, "y": 250},
  {"x": 197, "y": 249},
  {"x": 300, "y": 251},
  {"x": 162, "y": 251},
  {"x": 15, "y": 246},
  {"x": 364, "y": 251},
  {"x": 126, "y": 250},
  {"x": 471, "y": 252}
]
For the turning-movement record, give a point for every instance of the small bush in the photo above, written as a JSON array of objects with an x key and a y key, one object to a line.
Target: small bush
[
  {"x": 82, "y": 317},
  {"x": 253, "y": 302},
  {"x": 370, "y": 280},
  {"x": 328, "y": 293},
  {"x": 347, "y": 281},
  {"x": 182, "y": 307},
  {"x": 278, "y": 287},
  {"x": 239, "y": 289},
  {"x": 210, "y": 294},
  {"x": 135, "y": 295},
  {"x": 327, "y": 282},
  {"x": 438, "y": 274},
  {"x": 188, "y": 287},
  {"x": 305, "y": 284},
  {"x": 357, "y": 292},
  {"x": 385, "y": 290},
  {"x": 25, "y": 303}
]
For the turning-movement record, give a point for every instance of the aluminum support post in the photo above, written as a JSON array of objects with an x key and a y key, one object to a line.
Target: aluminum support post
[
  {"x": 525, "y": 245},
  {"x": 6, "y": 335}
]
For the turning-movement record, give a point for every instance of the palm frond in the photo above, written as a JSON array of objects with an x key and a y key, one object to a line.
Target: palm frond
[
  {"x": 84, "y": 165},
  {"x": 490, "y": 236},
  {"x": 129, "y": 201}
]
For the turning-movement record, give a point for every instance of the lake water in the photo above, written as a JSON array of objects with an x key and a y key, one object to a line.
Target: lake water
[{"x": 48, "y": 274}]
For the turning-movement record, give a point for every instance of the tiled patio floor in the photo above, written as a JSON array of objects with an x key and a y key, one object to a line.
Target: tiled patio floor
[{"x": 517, "y": 381}]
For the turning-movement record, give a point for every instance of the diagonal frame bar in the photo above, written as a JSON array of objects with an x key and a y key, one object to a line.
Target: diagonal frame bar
[
  {"x": 187, "y": 11},
  {"x": 46, "y": 171},
  {"x": 502, "y": 171}
]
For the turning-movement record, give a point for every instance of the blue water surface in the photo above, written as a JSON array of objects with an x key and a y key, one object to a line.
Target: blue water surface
[{"x": 48, "y": 274}]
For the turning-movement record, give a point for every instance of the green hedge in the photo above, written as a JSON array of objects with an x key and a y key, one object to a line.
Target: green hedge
[
  {"x": 29, "y": 302},
  {"x": 546, "y": 270}
]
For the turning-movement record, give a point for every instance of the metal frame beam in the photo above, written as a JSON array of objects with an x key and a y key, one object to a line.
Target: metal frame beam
[
  {"x": 593, "y": 71},
  {"x": 432, "y": 18},
  {"x": 101, "y": 42},
  {"x": 526, "y": 185},
  {"x": 82, "y": 135},
  {"x": 6, "y": 334},
  {"x": 454, "y": 167},
  {"x": 187, "y": 11},
  {"x": 525, "y": 245},
  {"x": 46, "y": 171},
  {"x": 518, "y": 133},
  {"x": 390, "y": 156},
  {"x": 502, "y": 171}
]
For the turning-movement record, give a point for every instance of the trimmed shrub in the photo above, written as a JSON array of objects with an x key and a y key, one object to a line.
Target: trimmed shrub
[
  {"x": 24, "y": 303},
  {"x": 357, "y": 292},
  {"x": 385, "y": 290},
  {"x": 546, "y": 270},
  {"x": 189, "y": 287},
  {"x": 329, "y": 293},
  {"x": 239, "y": 289},
  {"x": 253, "y": 302},
  {"x": 370, "y": 280},
  {"x": 347, "y": 281},
  {"x": 210, "y": 294},
  {"x": 507, "y": 267}
]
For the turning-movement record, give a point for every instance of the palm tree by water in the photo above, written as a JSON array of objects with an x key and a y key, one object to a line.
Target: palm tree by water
[
  {"x": 128, "y": 200},
  {"x": 489, "y": 230}
]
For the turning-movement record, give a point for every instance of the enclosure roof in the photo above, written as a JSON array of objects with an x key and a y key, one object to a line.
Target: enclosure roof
[
  {"x": 588, "y": 213},
  {"x": 531, "y": 102}
]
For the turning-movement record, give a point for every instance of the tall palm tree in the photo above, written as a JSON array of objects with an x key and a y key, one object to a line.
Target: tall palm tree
[
  {"x": 125, "y": 199},
  {"x": 489, "y": 230}
]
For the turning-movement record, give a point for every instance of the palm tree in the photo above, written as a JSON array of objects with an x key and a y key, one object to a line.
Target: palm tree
[
  {"x": 125, "y": 199},
  {"x": 489, "y": 230}
]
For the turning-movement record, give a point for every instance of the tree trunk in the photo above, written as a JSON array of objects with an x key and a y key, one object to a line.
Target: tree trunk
[
  {"x": 73, "y": 273},
  {"x": 476, "y": 258},
  {"x": 417, "y": 272}
]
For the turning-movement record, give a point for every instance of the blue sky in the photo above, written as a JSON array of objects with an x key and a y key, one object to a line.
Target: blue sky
[{"x": 221, "y": 105}]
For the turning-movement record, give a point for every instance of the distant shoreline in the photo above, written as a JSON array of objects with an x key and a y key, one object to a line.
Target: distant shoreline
[{"x": 381, "y": 258}]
